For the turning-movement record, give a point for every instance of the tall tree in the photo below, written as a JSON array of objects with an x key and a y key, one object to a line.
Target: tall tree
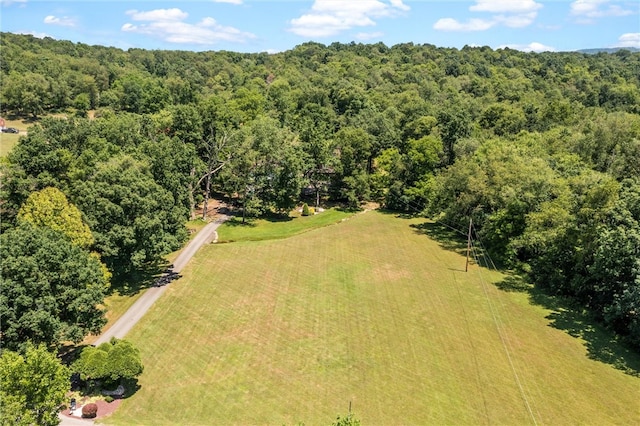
[
  {"x": 352, "y": 172},
  {"x": 218, "y": 151},
  {"x": 52, "y": 289},
  {"x": 134, "y": 220},
  {"x": 33, "y": 386},
  {"x": 266, "y": 168},
  {"x": 453, "y": 124},
  {"x": 50, "y": 208}
]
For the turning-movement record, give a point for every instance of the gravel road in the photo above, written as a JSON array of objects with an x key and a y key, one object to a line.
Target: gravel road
[{"x": 142, "y": 305}]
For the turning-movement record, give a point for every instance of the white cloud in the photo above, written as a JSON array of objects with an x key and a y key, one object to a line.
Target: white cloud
[
  {"x": 505, "y": 6},
  {"x": 510, "y": 13},
  {"x": 629, "y": 40},
  {"x": 587, "y": 10},
  {"x": 369, "y": 36},
  {"x": 10, "y": 2},
  {"x": 64, "y": 21},
  {"x": 169, "y": 25},
  {"x": 450, "y": 24},
  {"x": 330, "y": 17},
  {"x": 517, "y": 21},
  {"x": 161, "y": 15},
  {"x": 400, "y": 5},
  {"x": 531, "y": 47}
]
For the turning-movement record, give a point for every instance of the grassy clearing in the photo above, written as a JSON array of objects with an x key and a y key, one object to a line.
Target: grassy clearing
[
  {"x": 371, "y": 311},
  {"x": 9, "y": 140},
  {"x": 278, "y": 227}
]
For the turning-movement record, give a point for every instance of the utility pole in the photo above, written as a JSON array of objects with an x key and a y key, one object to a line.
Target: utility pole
[{"x": 466, "y": 268}]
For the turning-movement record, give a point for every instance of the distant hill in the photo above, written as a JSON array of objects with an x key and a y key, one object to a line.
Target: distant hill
[{"x": 608, "y": 50}]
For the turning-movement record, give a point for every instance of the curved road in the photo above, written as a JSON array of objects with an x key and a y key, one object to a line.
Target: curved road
[{"x": 142, "y": 305}]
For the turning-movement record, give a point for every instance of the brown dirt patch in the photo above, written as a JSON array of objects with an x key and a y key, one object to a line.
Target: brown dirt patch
[{"x": 215, "y": 208}]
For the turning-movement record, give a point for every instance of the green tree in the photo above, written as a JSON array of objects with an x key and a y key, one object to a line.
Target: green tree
[
  {"x": 497, "y": 187},
  {"x": 51, "y": 288},
  {"x": 50, "y": 208},
  {"x": 453, "y": 125},
  {"x": 27, "y": 92},
  {"x": 134, "y": 220},
  {"x": 114, "y": 361},
  {"x": 32, "y": 387},
  {"x": 352, "y": 179},
  {"x": 265, "y": 170}
]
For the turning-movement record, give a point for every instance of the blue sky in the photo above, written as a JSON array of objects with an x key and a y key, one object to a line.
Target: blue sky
[{"x": 273, "y": 26}]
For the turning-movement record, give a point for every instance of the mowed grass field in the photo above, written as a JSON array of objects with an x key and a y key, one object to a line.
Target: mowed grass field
[
  {"x": 370, "y": 311},
  {"x": 9, "y": 140}
]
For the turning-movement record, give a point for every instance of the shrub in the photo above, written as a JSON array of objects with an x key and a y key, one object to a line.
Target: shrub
[
  {"x": 89, "y": 411},
  {"x": 312, "y": 211},
  {"x": 305, "y": 209},
  {"x": 110, "y": 362},
  {"x": 108, "y": 398}
]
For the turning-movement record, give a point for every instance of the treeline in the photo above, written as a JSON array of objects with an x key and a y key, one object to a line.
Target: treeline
[{"x": 542, "y": 151}]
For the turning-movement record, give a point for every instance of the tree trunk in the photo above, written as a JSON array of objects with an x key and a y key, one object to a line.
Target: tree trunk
[
  {"x": 205, "y": 207},
  {"x": 192, "y": 201}
]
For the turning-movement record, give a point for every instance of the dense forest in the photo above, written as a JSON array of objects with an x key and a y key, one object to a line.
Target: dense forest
[{"x": 540, "y": 150}]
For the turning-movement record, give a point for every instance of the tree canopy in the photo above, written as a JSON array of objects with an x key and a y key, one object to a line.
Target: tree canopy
[
  {"x": 51, "y": 288},
  {"x": 541, "y": 150},
  {"x": 33, "y": 386},
  {"x": 50, "y": 208}
]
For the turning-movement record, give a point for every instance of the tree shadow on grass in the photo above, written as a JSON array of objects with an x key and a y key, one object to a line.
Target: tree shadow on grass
[
  {"x": 277, "y": 217},
  {"x": 446, "y": 238},
  {"x": 602, "y": 345},
  {"x": 237, "y": 222},
  {"x": 133, "y": 282}
]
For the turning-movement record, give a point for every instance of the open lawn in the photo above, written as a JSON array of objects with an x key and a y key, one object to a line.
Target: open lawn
[
  {"x": 374, "y": 311},
  {"x": 9, "y": 140},
  {"x": 277, "y": 227}
]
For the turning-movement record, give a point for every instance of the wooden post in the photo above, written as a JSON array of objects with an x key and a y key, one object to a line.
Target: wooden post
[{"x": 466, "y": 268}]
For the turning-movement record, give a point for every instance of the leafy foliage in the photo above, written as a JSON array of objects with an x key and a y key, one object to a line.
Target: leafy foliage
[
  {"x": 32, "y": 386},
  {"x": 348, "y": 420},
  {"x": 51, "y": 288},
  {"x": 135, "y": 221},
  {"x": 50, "y": 208},
  {"x": 111, "y": 361},
  {"x": 534, "y": 147}
]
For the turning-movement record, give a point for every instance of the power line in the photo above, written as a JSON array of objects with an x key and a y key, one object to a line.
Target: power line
[
  {"x": 506, "y": 343},
  {"x": 480, "y": 252}
]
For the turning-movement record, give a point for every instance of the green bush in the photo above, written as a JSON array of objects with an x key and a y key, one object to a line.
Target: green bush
[
  {"x": 108, "y": 398},
  {"x": 305, "y": 210},
  {"x": 110, "y": 362}
]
